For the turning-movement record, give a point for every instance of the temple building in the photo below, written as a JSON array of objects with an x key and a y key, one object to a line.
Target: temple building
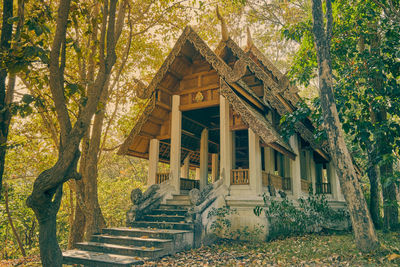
[
  {"x": 214, "y": 118},
  {"x": 218, "y": 112},
  {"x": 214, "y": 115}
]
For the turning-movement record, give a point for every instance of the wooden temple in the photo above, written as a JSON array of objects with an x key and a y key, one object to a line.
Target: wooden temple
[{"x": 215, "y": 115}]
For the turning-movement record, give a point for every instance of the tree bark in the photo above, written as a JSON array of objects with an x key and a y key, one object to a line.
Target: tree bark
[
  {"x": 94, "y": 218},
  {"x": 5, "y": 116},
  {"x": 364, "y": 231},
  {"x": 373, "y": 176},
  {"x": 50, "y": 252}
]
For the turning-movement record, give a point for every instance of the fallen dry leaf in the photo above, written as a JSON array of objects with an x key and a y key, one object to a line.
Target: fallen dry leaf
[{"x": 393, "y": 256}]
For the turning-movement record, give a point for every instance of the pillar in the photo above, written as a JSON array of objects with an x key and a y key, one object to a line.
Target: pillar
[
  {"x": 185, "y": 167},
  {"x": 255, "y": 176},
  {"x": 313, "y": 173},
  {"x": 334, "y": 181},
  {"x": 214, "y": 167},
  {"x": 233, "y": 149},
  {"x": 197, "y": 173},
  {"x": 154, "y": 147},
  {"x": 175, "y": 154},
  {"x": 204, "y": 158},
  {"x": 269, "y": 159},
  {"x": 295, "y": 167},
  {"x": 225, "y": 141}
]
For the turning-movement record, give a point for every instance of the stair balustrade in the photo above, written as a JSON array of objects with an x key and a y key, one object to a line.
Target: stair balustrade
[
  {"x": 162, "y": 177},
  {"x": 240, "y": 177},
  {"x": 323, "y": 188},
  {"x": 305, "y": 185}
]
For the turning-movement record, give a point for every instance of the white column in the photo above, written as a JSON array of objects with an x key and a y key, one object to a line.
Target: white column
[
  {"x": 233, "y": 148},
  {"x": 295, "y": 167},
  {"x": 185, "y": 167},
  {"x": 154, "y": 147},
  {"x": 203, "y": 158},
  {"x": 313, "y": 173},
  {"x": 225, "y": 141},
  {"x": 197, "y": 173},
  {"x": 334, "y": 181},
  {"x": 269, "y": 159},
  {"x": 255, "y": 178},
  {"x": 214, "y": 167},
  {"x": 175, "y": 154}
]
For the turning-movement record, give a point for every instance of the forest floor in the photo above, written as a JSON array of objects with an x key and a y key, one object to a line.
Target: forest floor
[{"x": 308, "y": 250}]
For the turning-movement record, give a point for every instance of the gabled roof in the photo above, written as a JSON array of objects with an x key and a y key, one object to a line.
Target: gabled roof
[
  {"x": 230, "y": 76},
  {"x": 278, "y": 93},
  {"x": 256, "y": 121}
]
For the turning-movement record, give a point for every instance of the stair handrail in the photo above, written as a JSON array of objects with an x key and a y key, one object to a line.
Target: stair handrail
[
  {"x": 143, "y": 203},
  {"x": 202, "y": 201}
]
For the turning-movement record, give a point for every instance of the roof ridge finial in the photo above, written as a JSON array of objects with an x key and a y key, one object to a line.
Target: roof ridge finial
[
  {"x": 224, "y": 28},
  {"x": 250, "y": 42}
]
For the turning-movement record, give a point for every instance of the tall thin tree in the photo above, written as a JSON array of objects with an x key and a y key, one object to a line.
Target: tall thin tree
[
  {"x": 363, "y": 227},
  {"x": 47, "y": 190}
]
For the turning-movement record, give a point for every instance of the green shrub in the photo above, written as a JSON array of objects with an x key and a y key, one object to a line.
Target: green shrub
[{"x": 310, "y": 215}]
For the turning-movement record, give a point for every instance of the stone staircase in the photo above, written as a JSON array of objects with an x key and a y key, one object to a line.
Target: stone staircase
[{"x": 161, "y": 232}]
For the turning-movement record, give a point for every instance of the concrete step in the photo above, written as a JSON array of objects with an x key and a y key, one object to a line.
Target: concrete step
[
  {"x": 169, "y": 206},
  {"x": 179, "y": 203},
  {"x": 133, "y": 241},
  {"x": 184, "y": 192},
  {"x": 143, "y": 252},
  {"x": 181, "y": 197},
  {"x": 164, "y": 218},
  {"x": 98, "y": 259},
  {"x": 179, "y": 212},
  {"x": 163, "y": 225},
  {"x": 139, "y": 232}
]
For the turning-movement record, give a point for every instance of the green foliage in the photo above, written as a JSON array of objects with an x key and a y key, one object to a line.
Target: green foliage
[
  {"x": 221, "y": 226},
  {"x": 309, "y": 116},
  {"x": 365, "y": 62},
  {"x": 288, "y": 219}
]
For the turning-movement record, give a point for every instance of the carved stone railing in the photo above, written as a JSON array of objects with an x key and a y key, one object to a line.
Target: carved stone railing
[
  {"x": 305, "y": 185},
  {"x": 211, "y": 196},
  {"x": 189, "y": 184},
  {"x": 162, "y": 177},
  {"x": 276, "y": 181},
  {"x": 323, "y": 188},
  {"x": 143, "y": 203},
  {"x": 240, "y": 177}
]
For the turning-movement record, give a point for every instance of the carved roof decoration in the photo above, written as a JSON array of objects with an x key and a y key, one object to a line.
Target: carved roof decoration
[
  {"x": 278, "y": 93},
  {"x": 255, "y": 120}
]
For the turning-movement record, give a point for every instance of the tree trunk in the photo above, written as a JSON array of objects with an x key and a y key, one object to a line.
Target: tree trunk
[
  {"x": 379, "y": 118},
  {"x": 49, "y": 183},
  {"x": 5, "y": 44},
  {"x": 94, "y": 218},
  {"x": 374, "y": 187},
  {"x": 390, "y": 208},
  {"x": 46, "y": 213},
  {"x": 77, "y": 227},
  {"x": 364, "y": 231}
]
